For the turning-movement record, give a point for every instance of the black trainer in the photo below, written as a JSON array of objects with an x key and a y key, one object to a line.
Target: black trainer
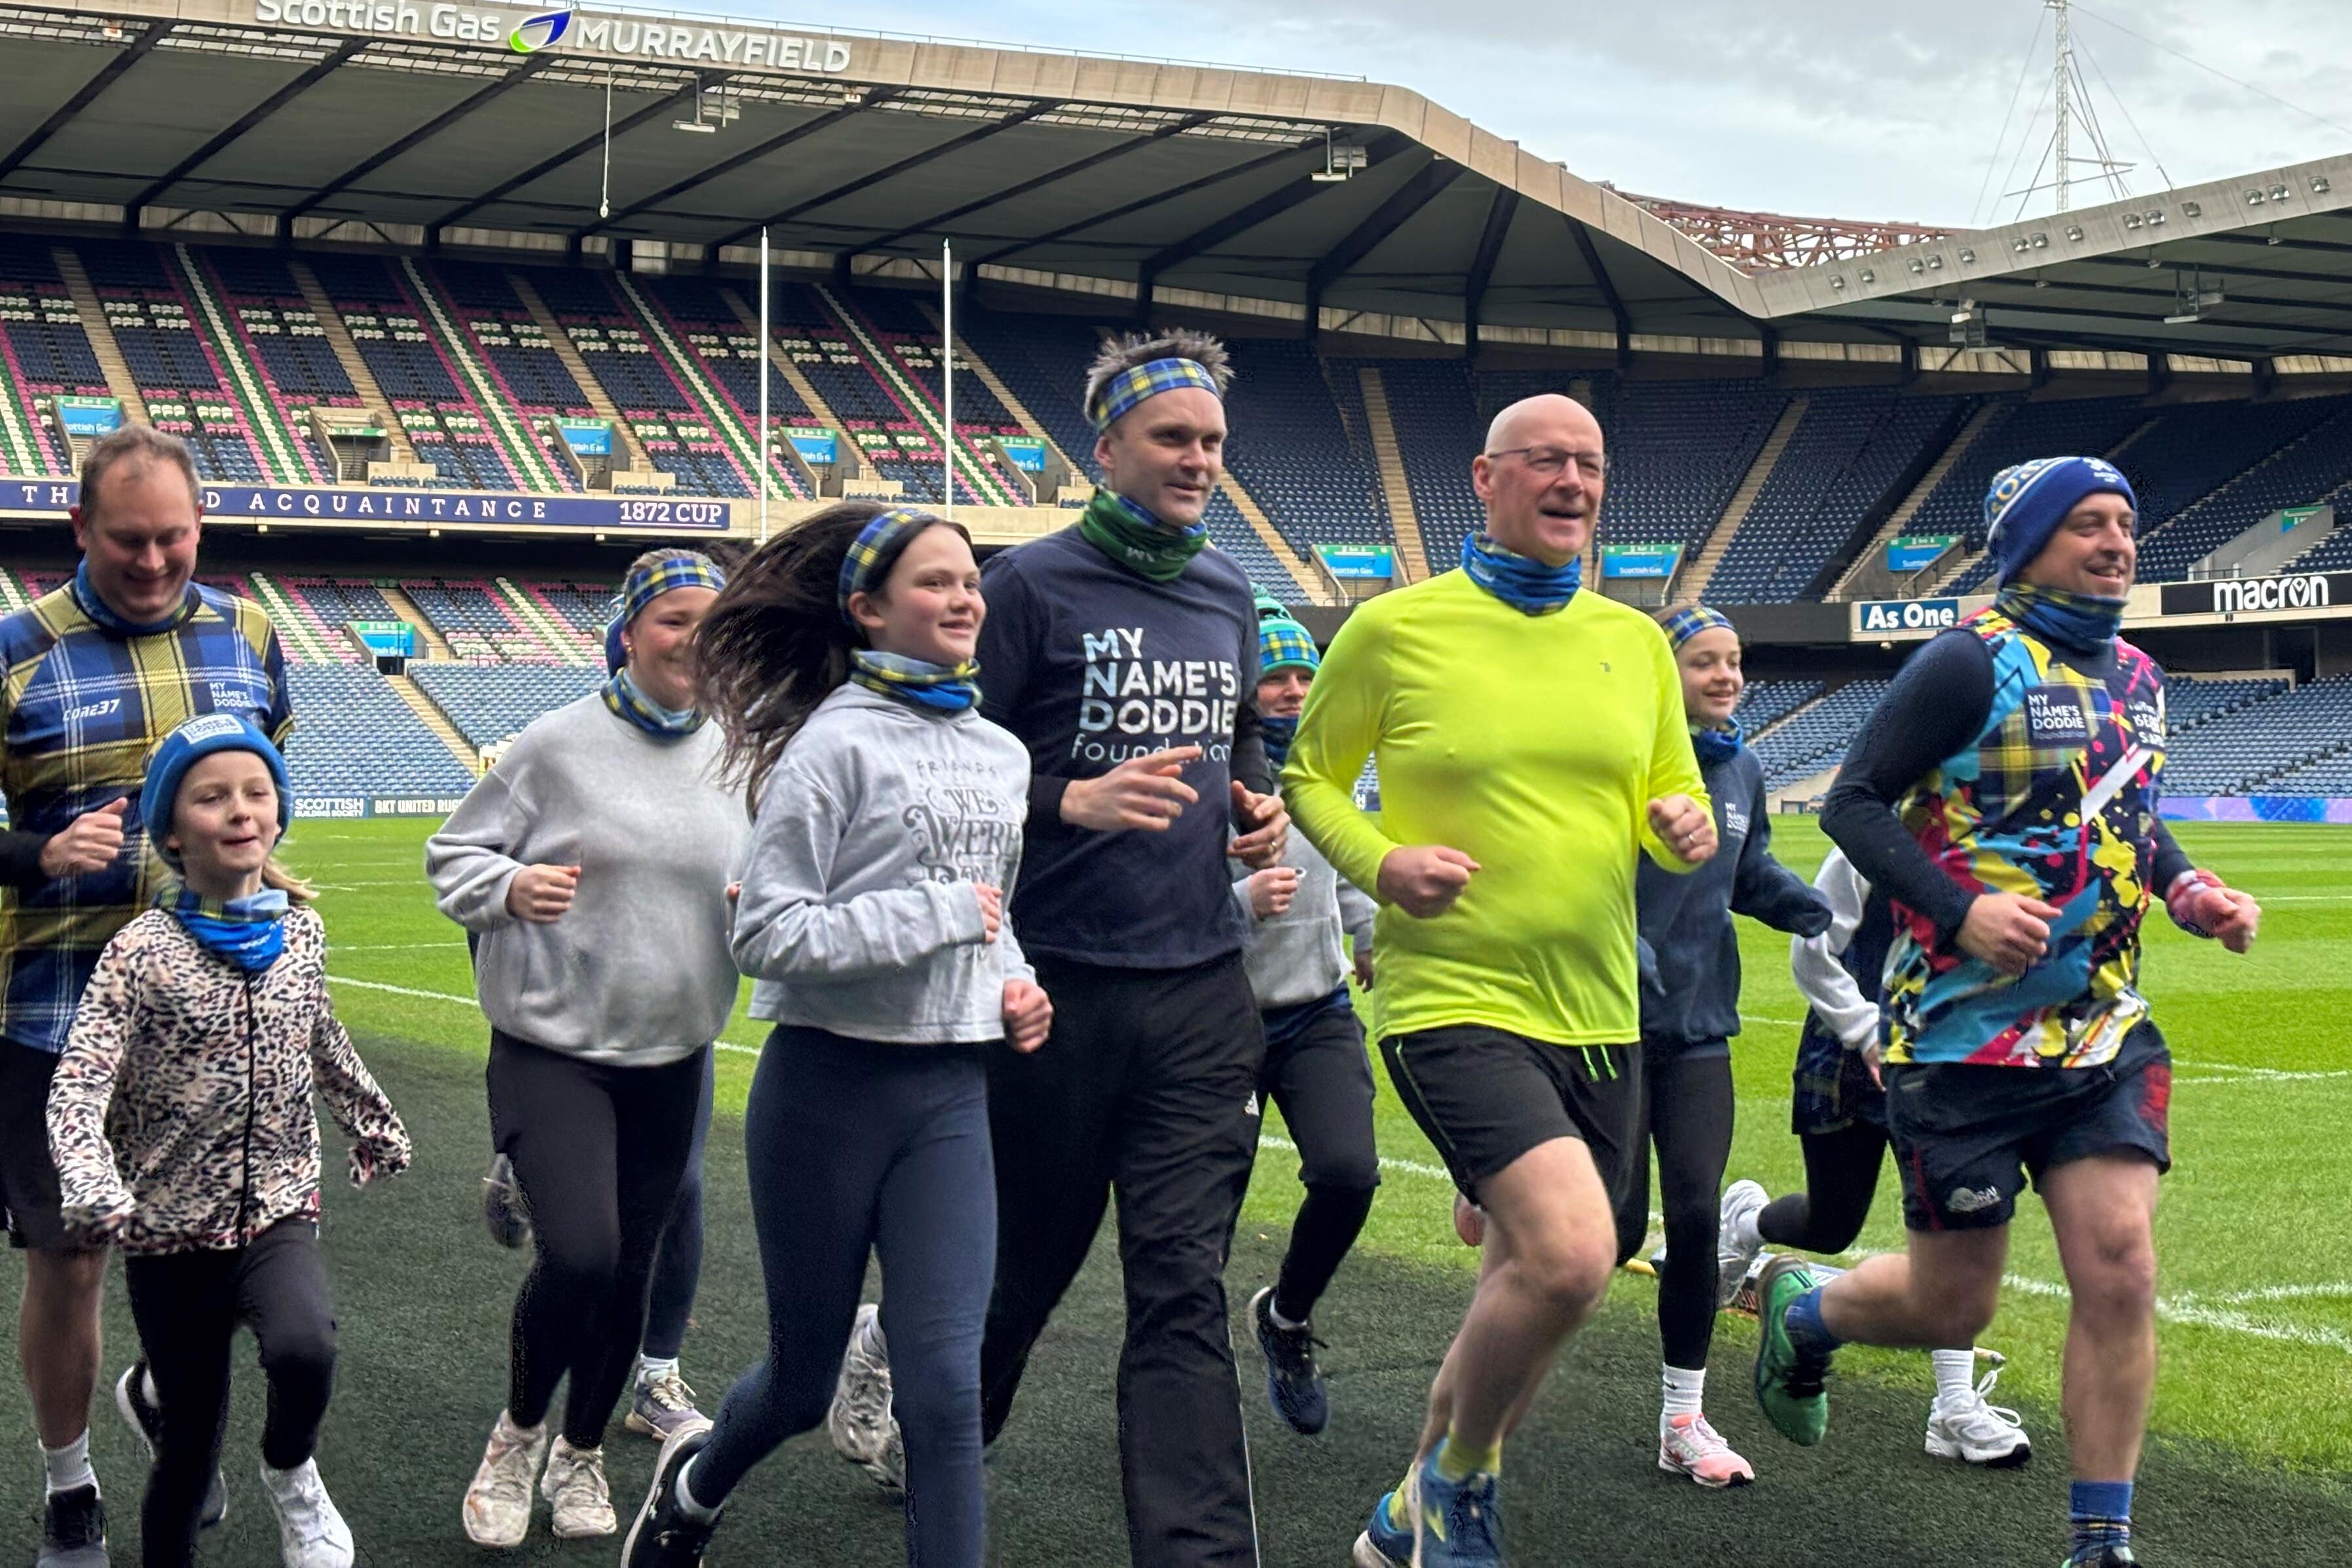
[
  {"x": 504, "y": 1211},
  {"x": 147, "y": 1420},
  {"x": 2104, "y": 1557},
  {"x": 73, "y": 1530},
  {"x": 662, "y": 1535},
  {"x": 1294, "y": 1383}
]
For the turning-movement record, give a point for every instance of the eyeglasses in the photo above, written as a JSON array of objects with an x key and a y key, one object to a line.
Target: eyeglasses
[{"x": 1550, "y": 462}]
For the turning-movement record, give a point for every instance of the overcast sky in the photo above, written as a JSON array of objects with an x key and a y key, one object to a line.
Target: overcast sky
[{"x": 1861, "y": 109}]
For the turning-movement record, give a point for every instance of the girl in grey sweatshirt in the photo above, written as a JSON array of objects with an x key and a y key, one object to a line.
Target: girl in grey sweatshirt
[
  {"x": 592, "y": 865},
  {"x": 872, "y": 922}
]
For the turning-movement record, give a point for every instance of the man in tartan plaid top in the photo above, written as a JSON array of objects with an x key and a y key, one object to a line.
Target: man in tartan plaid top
[{"x": 92, "y": 677}]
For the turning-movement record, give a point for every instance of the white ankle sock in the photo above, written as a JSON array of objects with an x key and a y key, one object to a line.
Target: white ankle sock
[
  {"x": 69, "y": 1466},
  {"x": 1744, "y": 1234},
  {"x": 1284, "y": 1324},
  {"x": 1955, "y": 1373},
  {"x": 1684, "y": 1389},
  {"x": 147, "y": 1389},
  {"x": 686, "y": 1503},
  {"x": 652, "y": 1367}
]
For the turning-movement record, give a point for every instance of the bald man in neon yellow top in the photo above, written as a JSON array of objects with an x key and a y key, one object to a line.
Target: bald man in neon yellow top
[{"x": 1531, "y": 743}]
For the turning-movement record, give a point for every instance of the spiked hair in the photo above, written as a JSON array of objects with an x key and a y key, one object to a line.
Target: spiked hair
[{"x": 1125, "y": 352}]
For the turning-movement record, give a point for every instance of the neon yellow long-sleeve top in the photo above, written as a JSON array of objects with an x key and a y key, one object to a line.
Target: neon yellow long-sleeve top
[{"x": 1534, "y": 745}]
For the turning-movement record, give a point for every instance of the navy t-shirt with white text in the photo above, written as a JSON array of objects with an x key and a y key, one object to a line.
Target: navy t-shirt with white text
[{"x": 1089, "y": 664}]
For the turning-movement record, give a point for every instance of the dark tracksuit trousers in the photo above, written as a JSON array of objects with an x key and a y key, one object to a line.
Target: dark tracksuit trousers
[
  {"x": 857, "y": 1149},
  {"x": 188, "y": 1307},
  {"x": 1318, "y": 1073},
  {"x": 1145, "y": 1092}
]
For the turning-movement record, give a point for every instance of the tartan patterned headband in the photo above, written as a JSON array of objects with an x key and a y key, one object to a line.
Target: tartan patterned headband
[
  {"x": 1136, "y": 383},
  {"x": 644, "y": 586},
  {"x": 1692, "y": 620},
  {"x": 872, "y": 541}
]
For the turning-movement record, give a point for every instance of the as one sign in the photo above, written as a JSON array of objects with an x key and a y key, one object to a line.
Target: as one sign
[{"x": 1907, "y": 615}]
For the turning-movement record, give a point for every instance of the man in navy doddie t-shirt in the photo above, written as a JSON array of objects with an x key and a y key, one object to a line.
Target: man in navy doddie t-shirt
[{"x": 1124, "y": 655}]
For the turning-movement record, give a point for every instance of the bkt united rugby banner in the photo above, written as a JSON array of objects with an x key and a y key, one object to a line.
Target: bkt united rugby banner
[{"x": 228, "y": 503}]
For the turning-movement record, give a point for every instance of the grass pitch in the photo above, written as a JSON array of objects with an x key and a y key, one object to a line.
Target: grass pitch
[{"x": 2251, "y": 1462}]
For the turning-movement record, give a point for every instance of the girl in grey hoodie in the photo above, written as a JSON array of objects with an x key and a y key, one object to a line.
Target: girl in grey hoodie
[{"x": 886, "y": 836}]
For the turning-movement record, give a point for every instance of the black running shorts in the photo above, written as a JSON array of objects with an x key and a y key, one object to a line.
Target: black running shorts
[
  {"x": 1484, "y": 1097},
  {"x": 29, "y": 1181},
  {"x": 1966, "y": 1136}
]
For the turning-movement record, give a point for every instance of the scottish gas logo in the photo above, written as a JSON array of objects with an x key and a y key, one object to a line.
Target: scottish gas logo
[{"x": 544, "y": 31}]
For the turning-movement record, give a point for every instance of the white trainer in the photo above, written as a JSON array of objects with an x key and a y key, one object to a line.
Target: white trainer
[
  {"x": 574, "y": 1487},
  {"x": 498, "y": 1503},
  {"x": 1688, "y": 1445},
  {"x": 859, "y": 1420},
  {"x": 310, "y": 1529},
  {"x": 1967, "y": 1428},
  {"x": 1735, "y": 1223}
]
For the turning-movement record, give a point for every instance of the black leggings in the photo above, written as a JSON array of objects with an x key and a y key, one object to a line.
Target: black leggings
[
  {"x": 1687, "y": 1107},
  {"x": 1318, "y": 1074},
  {"x": 1841, "y": 1178},
  {"x": 187, "y": 1306},
  {"x": 678, "y": 1265},
  {"x": 599, "y": 1151}
]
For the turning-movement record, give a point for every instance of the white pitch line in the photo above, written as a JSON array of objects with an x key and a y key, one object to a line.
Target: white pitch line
[{"x": 2186, "y": 1309}]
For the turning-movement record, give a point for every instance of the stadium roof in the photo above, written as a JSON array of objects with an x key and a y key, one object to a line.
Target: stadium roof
[{"x": 418, "y": 122}]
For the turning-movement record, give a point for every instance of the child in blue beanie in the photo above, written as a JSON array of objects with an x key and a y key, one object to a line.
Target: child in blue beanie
[{"x": 182, "y": 1126}]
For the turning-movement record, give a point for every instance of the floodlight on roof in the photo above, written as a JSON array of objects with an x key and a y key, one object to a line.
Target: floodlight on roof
[
  {"x": 1340, "y": 160},
  {"x": 1968, "y": 257},
  {"x": 1917, "y": 266},
  {"x": 2132, "y": 220},
  {"x": 2278, "y": 193},
  {"x": 1837, "y": 284},
  {"x": 1935, "y": 264},
  {"x": 2075, "y": 232},
  {"x": 2318, "y": 184},
  {"x": 1868, "y": 276},
  {"x": 2040, "y": 241}
]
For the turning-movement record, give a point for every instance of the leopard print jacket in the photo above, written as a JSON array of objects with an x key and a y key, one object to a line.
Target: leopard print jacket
[{"x": 181, "y": 1113}]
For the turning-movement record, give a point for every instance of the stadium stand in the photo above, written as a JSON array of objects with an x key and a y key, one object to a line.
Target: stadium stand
[
  {"x": 2285, "y": 738},
  {"x": 475, "y": 619},
  {"x": 908, "y": 362},
  {"x": 2313, "y": 467},
  {"x": 492, "y": 703},
  {"x": 44, "y": 353},
  {"x": 1845, "y": 464},
  {"x": 727, "y": 355},
  {"x": 1813, "y": 738},
  {"x": 425, "y": 374},
  {"x": 1434, "y": 412},
  {"x": 356, "y": 738},
  {"x": 2093, "y": 426},
  {"x": 275, "y": 328},
  {"x": 1291, "y": 450}
]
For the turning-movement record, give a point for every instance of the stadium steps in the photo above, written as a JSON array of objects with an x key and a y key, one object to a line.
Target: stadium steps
[
  {"x": 286, "y": 455},
  {"x": 13, "y": 597},
  {"x": 1808, "y": 788},
  {"x": 430, "y": 713},
  {"x": 2221, "y": 492},
  {"x": 568, "y": 354},
  {"x": 1693, "y": 587},
  {"x": 435, "y": 645},
  {"x": 347, "y": 355},
  {"x": 118, "y": 379},
  {"x": 535, "y": 618},
  {"x": 1413, "y": 561},
  {"x": 576, "y": 639},
  {"x": 711, "y": 404},
  {"x": 20, "y": 450},
  {"x": 847, "y": 454},
  {"x": 1271, "y": 537},
  {"x": 968, "y": 357},
  {"x": 1900, "y": 517},
  {"x": 986, "y": 489},
  {"x": 293, "y": 626},
  {"x": 532, "y": 467}
]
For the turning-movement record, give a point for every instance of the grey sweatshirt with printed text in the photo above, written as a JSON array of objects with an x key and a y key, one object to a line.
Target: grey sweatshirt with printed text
[{"x": 858, "y": 914}]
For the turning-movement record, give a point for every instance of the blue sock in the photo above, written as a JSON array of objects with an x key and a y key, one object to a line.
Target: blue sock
[
  {"x": 1807, "y": 1332},
  {"x": 2101, "y": 1513}
]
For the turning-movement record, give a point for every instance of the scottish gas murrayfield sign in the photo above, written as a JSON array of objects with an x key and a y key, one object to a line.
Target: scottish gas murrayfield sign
[{"x": 527, "y": 32}]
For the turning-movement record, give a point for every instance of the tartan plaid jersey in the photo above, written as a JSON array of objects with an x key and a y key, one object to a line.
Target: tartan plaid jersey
[
  {"x": 81, "y": 707},
  {"x": 2005, "y": 816}
]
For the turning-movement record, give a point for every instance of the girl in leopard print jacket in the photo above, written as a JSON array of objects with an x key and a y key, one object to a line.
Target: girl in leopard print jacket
[{"x": 181, "y": 1114}]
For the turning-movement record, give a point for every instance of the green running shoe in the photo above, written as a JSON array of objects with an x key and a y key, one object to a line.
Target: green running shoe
[{"x": 1787, "y": 1382}]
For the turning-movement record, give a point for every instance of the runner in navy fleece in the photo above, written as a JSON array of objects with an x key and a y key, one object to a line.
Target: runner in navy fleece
[
  {"x": 1124, "y": 655},
  {"x": 1690, "y": 1010}
]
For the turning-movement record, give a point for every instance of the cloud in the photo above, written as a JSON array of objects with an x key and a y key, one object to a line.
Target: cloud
[{"x": 1819, "y": 107}]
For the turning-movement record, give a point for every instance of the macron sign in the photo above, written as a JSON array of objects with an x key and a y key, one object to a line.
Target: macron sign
[{"x": 528, "y": 33}]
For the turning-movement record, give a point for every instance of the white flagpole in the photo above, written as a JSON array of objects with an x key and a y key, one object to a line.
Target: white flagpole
[
  {"x": 947, "y": 367},
  {"x": 766, "y": 369}
]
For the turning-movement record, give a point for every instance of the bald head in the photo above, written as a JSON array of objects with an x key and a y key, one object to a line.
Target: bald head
[
  {"x": 1540, "y": 478},
  {"x": 1546, "y": 419}
]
